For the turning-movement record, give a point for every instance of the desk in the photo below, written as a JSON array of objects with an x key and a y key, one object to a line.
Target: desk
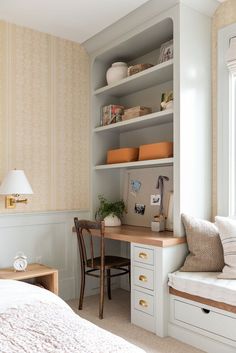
[
  {"x": 153, "y": 256},
  {"x": 141, "y": 235}
]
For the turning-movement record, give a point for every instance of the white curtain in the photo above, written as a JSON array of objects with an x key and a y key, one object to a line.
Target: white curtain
[
  {"x": 231, "y": 56},
  {"x": 231, "y": 63}
]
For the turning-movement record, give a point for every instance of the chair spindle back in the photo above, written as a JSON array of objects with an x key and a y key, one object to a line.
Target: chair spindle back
[{"x": 83, "y": 228}]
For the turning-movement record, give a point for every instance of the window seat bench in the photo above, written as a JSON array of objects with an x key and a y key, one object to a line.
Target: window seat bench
[
  {"x": 205, "y": 285},
  {"x": 203, "y": 311}
]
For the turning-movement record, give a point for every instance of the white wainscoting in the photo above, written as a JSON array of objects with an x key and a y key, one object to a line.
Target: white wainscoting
[{"x": 47, "y": 238}]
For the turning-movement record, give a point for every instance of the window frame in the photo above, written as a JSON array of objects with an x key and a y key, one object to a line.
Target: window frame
[{"x": 226, "y": 128}]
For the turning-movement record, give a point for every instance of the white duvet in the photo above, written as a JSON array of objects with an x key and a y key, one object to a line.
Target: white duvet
[{"x": 33, "y": 319}]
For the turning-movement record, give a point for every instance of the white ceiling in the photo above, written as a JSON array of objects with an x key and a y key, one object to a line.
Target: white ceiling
[{"x": 76, "y": 20}]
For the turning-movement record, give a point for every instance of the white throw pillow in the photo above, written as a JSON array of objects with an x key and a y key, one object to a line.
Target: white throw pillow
[{"x": 227, "y": 231}]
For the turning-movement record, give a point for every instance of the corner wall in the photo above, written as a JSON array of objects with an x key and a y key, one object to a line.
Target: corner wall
[{"x": 44, "y": 130}]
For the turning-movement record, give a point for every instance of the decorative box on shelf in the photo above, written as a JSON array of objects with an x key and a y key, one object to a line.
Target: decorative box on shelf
[
  {"x": 134, "y": 69},
  {"x": 156, "y": 151},
  {"x": 111, "y": 114},
  {"x": 122, "y": 155},
  {"x": 135, "y": 112}
]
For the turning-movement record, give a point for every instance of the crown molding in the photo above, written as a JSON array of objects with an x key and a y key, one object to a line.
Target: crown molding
[
  {"x": 137, "y": 17},
  {"x": 208, "y": 7},
  {"x": 144, "y": 13}
]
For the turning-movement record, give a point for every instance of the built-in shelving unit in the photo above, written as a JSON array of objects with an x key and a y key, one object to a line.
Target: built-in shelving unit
[
  {"x": 142, "y": 122},
  {"x": 139, "y": 164},
  {"x": 188, "y": 126},
  {"x": 144, "y": 88}
]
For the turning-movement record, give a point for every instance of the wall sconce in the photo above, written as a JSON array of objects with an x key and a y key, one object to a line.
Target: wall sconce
[{"x": 14, "y": 185}]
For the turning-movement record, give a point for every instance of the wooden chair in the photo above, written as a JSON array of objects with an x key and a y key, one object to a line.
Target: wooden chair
[{"x": 104, "y": 263}]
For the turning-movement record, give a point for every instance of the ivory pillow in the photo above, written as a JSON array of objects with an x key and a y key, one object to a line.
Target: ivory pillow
[
  {"x": 205, "y": 248},
  {"x": 227, "y": 230}
]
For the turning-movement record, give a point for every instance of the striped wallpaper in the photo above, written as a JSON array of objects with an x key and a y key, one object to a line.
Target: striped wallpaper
[{"x": 44, "y": 117}]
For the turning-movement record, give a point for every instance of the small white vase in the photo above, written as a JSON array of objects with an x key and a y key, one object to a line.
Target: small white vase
[
  {"x": 112, "y": 221},
  {"x": 116, "y": 72}
]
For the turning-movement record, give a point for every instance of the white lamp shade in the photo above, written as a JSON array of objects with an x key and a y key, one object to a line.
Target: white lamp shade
[
  {"x": 231, "y": 55},
  {"x": 14, "y": 183}
]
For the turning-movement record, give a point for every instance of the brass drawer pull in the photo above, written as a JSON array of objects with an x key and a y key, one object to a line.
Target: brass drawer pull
[
  {"x": 143, "y": 303},
  {"x": 143, "y": 255},
  {"x": 143, "y": 278}
]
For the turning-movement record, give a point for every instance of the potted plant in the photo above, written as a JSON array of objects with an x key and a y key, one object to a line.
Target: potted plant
[{"x": 110, "y": 212}]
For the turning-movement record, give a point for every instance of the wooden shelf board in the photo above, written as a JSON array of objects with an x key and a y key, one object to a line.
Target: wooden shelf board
[
  {"x": 153, "y": 162},
  {"x": 205, "y": 301},
  {"x": 154, "y": 76},
  {"x": 140, "y": 122}
]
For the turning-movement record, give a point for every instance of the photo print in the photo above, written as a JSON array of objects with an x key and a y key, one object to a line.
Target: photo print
[
  {"x": 135, "y": 186},
  {"x": 139, "y": 209},
  {"x": 155, "y": 200}
]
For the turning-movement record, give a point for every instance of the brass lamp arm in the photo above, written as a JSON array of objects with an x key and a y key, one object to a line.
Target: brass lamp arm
[
  {"x": 22, "y": 201},
  {"x": 10, "y": 201}
]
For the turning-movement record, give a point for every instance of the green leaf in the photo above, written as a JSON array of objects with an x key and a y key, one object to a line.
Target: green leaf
[{"x": 106, "y": 208}]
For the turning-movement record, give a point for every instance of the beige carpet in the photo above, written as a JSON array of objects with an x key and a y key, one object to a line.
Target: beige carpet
[{"x": 117, "y": 320}]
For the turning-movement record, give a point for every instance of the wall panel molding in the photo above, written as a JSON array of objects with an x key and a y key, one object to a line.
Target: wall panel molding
[{"x": 47, "y": 236}]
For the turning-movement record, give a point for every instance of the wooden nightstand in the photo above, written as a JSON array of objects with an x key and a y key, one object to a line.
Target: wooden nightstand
[{"x": 41, "y": 274}]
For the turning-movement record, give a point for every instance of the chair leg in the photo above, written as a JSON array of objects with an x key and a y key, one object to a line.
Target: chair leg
[
  {"x": 109, "y": 284},
  {"x": 101, "y": 301},
  {"x": 82, "y": 286},
  {"x": 129, "y": 278}
]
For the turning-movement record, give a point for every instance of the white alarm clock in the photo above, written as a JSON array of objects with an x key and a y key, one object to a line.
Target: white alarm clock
[{"x": 20, "y": 262}]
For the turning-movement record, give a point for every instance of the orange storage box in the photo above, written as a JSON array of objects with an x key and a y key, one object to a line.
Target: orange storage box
[
  {"x": 156, "y": 151},
  {"x": 122, "y": 155}
]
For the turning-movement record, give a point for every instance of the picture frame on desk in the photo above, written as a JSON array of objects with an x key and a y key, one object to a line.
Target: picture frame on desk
[{"x": 166, "y": 52}]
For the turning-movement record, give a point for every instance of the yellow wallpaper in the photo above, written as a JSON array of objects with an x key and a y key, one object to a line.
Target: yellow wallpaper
[
  {"x": 44, "y": 117},
  {"x": 224, "y": 15}
]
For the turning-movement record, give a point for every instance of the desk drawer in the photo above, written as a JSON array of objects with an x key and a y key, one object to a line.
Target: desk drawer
[
  {"x": 144, "y": 302},
  {"x": 207, "y": 320},
  {"x": 144, "y": 255},
  {"x": 143, "y": 277}
]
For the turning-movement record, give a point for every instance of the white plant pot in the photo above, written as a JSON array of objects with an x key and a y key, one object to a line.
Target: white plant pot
[
  {"x": 116, "y": 72},
  {"x": 112, "y": 221}
]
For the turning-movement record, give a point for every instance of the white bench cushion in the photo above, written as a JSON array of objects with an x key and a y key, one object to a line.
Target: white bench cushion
[{"x": 205, "y": 285}]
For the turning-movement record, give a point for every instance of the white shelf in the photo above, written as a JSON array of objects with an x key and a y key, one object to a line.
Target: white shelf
[
  {"x": 141, "y": 122},
  {"x": 152, "y": 162},
  {"x": 154, "y": 76}
]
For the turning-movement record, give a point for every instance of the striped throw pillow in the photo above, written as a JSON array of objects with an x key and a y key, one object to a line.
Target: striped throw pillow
[{"x": 227, "y": 231}]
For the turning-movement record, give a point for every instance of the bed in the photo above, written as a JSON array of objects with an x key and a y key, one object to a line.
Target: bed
[{"x": 33, "y": 319}]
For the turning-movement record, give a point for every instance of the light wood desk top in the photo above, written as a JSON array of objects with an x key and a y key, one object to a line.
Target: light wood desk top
[{"x": 141, "y": 235}]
